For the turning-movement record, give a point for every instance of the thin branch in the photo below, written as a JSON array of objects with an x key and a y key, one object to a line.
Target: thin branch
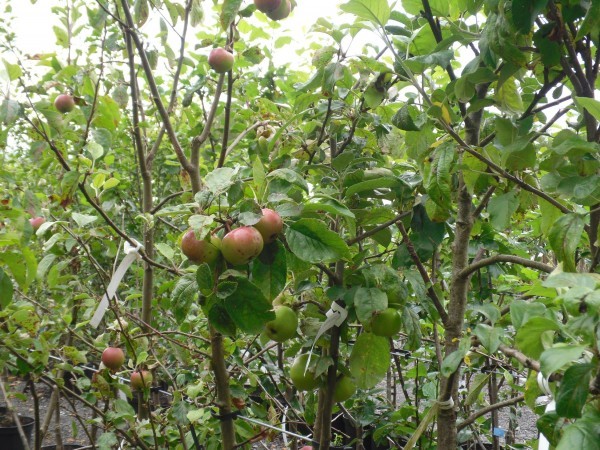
[
  {"x": 165, "y": 200},
  {"x": 377, "y": 229},
  {"x": 483, "y": 411},
  {"x": 525, "y": 360},
  {"x": 503, "y": 258}
]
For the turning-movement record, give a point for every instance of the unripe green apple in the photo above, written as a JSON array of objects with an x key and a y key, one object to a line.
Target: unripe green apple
[
  {"x": 267, "y": 5},
  {"x": 281, "y": 12},
  {"x": 241, "y": 245},
  {"x": 220, "y": 60},
  {"x": 113, "y": 358},
  {"x": 200, "y": 250},
  {"x": 64, "y": 103},
  {"x": 344, "y": 389},
  {"x": 140, "y": 380},
  {"x": 270, "y": 225},
  {"x": 284, "y": 326},
  {"x": 303, "y": 380},
  {"x": 386, "y": 323},
  {"x": 36, "y": 222}
]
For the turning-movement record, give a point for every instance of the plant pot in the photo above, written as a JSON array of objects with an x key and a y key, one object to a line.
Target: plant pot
[
  {"x": 65, "y": 447},
  {"x": 9, "y": 433}
]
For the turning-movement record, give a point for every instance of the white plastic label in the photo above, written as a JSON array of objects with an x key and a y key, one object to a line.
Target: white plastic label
[
  {"x": 335, "y": 318},
  {"x": 131, "y": 254}
]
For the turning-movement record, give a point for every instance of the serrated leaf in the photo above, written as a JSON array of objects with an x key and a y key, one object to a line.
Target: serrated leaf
[
  {"x": 141, "y": 11},
  {"x": 534, "y": 334},
  {"x": 95, "y": 150},
  {"x": 184, "y": 292},
  {"x": 229, "y": 10},
  {"x": 501, "y": 209},
  {"x": 204, "y": 278},
  {"x": 489, "y": 336},
  {"x": 440, "y": 178},
  {"x": 591, "y": 105},
  {"x": 327, "y": 204},
  {"x": 6, "y": 289},
  {"x": 369, "y": 360},
  {"x": 165, "y": 250},
  {"x": 403, "y": 120},
  {"x": 564, "y": 236},
  {"x": 83, "y": 219},
  {"x": 368, "y": 301},
  {"x": 220, "y": 180},
  {"x": 524, "y": 12},
  {"x": 573, "y": 391},
  {"x": 248, "y": 307},
  {"x": 269, "y": 270},
  {"x": 476, "y": 386},
  {"x": 312, "y": 241},
  {"x": 375, "y": 11}
]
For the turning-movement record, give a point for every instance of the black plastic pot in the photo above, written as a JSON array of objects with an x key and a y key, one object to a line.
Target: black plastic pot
[{"x": 9, "y": 435}]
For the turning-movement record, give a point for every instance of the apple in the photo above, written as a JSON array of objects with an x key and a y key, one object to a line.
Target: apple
[
  {"x": 344, "y": 389},
  {"x": 386, "y": 323},
  {"x": 281, "y": 12},
  {"x": 241, "y": 245},
  {"x": 284, "y": 326},
  {"x": 267, "y": 5},
  {"x": 306, "y": 447},
  {"x": 200, "y": 250},
  {"x": 220, "y": 60},
  {"x": 140, "y": 380},
  {"x": 113, "y": 358},
  {"x": 269, "y": 225},
  {"x": 301, "y": 379},
  {"x": 36, "y": 222},
  {"x": 64, "y": 103}
]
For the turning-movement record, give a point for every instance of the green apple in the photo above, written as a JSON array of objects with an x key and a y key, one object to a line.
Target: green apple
[
  {"x": 241, "y": 245},
  {"x": 281, "y": 12},
  {"x": 284, "y": 326},
  {"x": 200, "y": 250},
  {"x": 303, "y": 380},
  {"x": 344, "y": 389},
  {"x": 140, "y": 380},
  {"x": 267, "y": 5},
  {"x": 386, "y": 323}
]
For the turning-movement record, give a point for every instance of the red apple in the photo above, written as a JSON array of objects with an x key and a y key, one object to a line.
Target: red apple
[
  {"x": 242, "y": 245},
  {"x": 269, "y": 226},
  {"x": 267, "y": 5},
  {"x": 284, "y": 10},
  {"x": 306, "y": 447},
  {"x": 113, "y": 358},
  {"x": 140, "y": 380},
  {"x": 64, "y": 103},
  {"x": 200, "y": 250},
  {"x": 36, "y": 222},
  {"x": 220, "y": 60}
]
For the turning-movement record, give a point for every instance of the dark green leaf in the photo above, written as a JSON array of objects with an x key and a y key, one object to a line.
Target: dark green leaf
[
  {"x": 269, "y": 270},
  {"x": 312, "y": 241},
  {"x": 248, "y": 307},
  {"x": 555, "y": 358},
  {"x": 229, "y": 10},
  {"x": 564, "y": 236},
  {"x": 376, "y": 11},
  {"x": 532, "y": 336},
  {"x": 501, "y": 209},
  {"x": 6, "y": 289},
  {"x": 367, "y": 301},
  {"x": 573, "y": 391},
  {"x": 403, "y": 120},
  {"x": 524, "y": 12}
]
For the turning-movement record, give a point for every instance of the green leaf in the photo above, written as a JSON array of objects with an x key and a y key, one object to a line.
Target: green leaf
[
  {"x": 14, "y": 70},
  {"x": 591, "y": 105},
  {"x": 403, "y": 119},
  {"x": 367, "y": 301},
  {"x": 327, "y": 204},
  {"x": 220, "y": 180},
  {"x": 476, "y": 386},
  {"x": 184, "y": 293},
  {"x": 555, "y": 358},
  {"x": 501, "y": 209},
  {"x": 418, "y": 64},
  {"x": 221, "y": 320},
  {"x": 532, "y": 336},
  {"x": 204, "y": 278},
  {"x": 248, "y": 307},
  {"x": 564, "y": 236},
  {"x": 372, "y": 185},
  {"x": 6, "y": 289},
  {"x": 369, "y": 360},
  {"x": 453, "y": 360},
  {"x": 524, "y": 12},
  {"x": 83, "y": 219},
  {"x": 573, "y": 391},
  {"x": 489, "y": 336},
  {"x": 269, "y": 270},
  {"x": 582, "y": 434},
  {"x": 165, "y": 250},
  {"x": 291, "y": 177},
  {"x": 312, "y": 241},
  {"x": 375, "y": 11},
  {"x": 440, "y": 179},
  {"x": 141, "y": 11},
  {"x": 591, "y": 22},
  {"x": 412, "y": 327},
  {"x": 228, "y": 12}
]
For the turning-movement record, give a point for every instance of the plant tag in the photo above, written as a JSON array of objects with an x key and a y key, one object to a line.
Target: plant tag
[
  {"x": 335, "y": 317},
  {"x": 545, "y": 388},
  {"x": 131, "y": 254}
]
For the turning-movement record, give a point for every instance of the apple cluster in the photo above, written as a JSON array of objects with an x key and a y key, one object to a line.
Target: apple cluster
[
  {"x": 304, "y": 379},
  {"x": 239, "y": 246},
  {"x": 274, "y": 9}
]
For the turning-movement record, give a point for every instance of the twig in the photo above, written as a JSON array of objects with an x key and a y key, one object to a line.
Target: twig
[{"x": 483, "y": 411}]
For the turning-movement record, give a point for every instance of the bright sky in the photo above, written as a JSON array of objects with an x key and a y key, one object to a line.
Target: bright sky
[{"x": 33, "y": 23}]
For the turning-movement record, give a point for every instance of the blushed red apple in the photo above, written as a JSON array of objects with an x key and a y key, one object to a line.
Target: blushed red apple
[
  {"x": 113, "y": 358},
  {"x": 284, "y": 10},
  {"x": 241, "y": 245},
  {"x": 140, "y": 380},
  {"x": 64, "y": 103},
  {"x": 269, "y": 226},
  {"x": 267, "y": 5},
  {"x": 200, "y": 250},
  {"x": 36, "y": 222},
  {"x": 220, "y": 60}
]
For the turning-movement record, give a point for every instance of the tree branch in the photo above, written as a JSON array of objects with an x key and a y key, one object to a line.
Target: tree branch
[
  {"x": 503, "y": 258},
  {"x": 377, "y": 229},
  {"x": 483, "y": 411}
]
